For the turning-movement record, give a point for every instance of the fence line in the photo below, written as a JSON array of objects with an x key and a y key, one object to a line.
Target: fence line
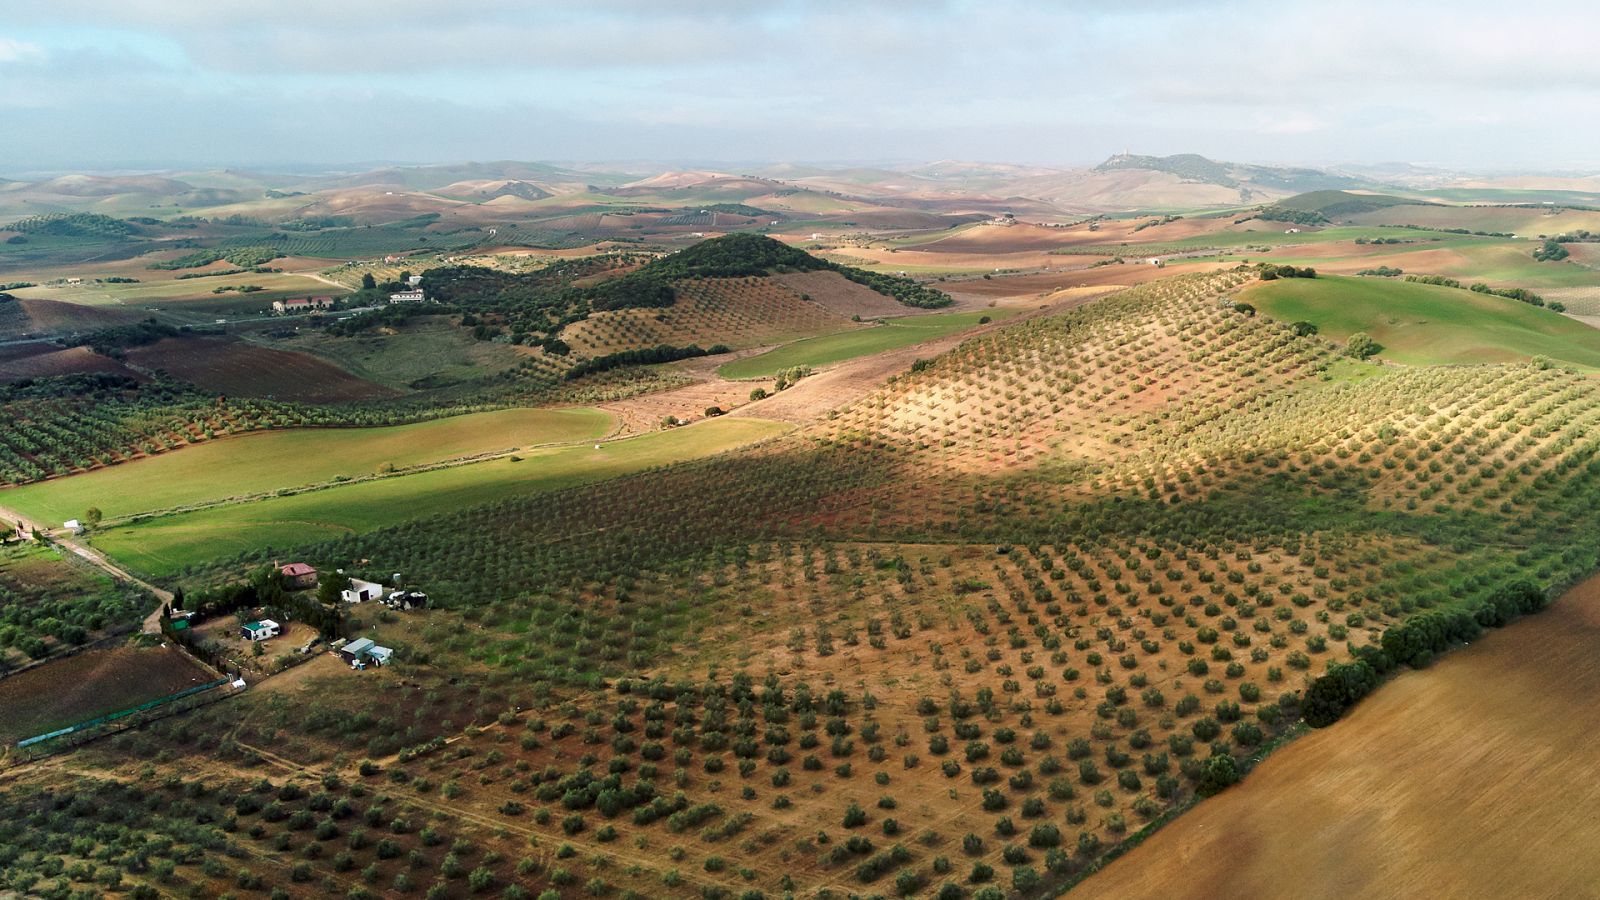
[{"x": 111, "y": 717}]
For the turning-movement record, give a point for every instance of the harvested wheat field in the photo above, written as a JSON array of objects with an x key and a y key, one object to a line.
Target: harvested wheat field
[
  {"x": 228, "y": 366},
  {"x": 1478, "y": 777}
]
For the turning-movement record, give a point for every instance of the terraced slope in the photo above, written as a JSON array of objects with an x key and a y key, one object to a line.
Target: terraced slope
[{"x": 976, "y": 628}]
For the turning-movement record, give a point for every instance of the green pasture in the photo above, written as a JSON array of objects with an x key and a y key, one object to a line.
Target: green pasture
[
  {"x": 892, "y": 334},
  {"x": 163, "y": 546},
  {"x": 1423, "y": 324},
  {"x": 430, "y": 352},
  {"x": 262, "y": 462}
]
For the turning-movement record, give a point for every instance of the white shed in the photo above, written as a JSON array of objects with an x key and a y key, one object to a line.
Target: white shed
[{"x": 361, "y": 591}]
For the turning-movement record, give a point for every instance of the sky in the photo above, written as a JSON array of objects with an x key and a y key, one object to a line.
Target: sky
[{"x": 127, "y": 84}]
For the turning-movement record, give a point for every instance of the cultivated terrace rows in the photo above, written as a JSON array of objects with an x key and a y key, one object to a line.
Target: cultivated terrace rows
[
  {"x": 872, "y": 658},
  {"x": 738, "y": 312}
]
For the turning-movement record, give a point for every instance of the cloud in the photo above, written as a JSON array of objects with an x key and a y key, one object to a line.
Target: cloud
[
  {"x": 1002, "y": 79},
  {"x": 13, "y": 51}
]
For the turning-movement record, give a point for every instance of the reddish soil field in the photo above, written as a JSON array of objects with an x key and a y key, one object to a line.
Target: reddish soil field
[
  {"x": 53, "y": 315},
  {"x": 688, "y": 403},
  {"x": 1042, "y": 284},
  {"x": 1475, "y": 778},
  {"x": 88, "y": 684},
  {"x": 57, "y": 362},
  {"x": 839, "y": 294},
  {"x": 228, "y": 366}
]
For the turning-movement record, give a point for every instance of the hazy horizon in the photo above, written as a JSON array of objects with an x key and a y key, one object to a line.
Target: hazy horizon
[{"x": 168, "y": 84}]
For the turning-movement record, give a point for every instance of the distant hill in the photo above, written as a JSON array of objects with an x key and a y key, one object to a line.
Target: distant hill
[
  {"x": 423, "y": 178},
  {"x": 1338, "y": 204},
  {"x": 492, "y": 189},
  {"x": 742, "y": 255},
  {"x": 107, "y": 186},
  {"x": 1194, "y": 167}
]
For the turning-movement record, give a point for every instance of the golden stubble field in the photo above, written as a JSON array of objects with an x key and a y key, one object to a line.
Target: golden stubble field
[{"x": 1475, "y": 778}]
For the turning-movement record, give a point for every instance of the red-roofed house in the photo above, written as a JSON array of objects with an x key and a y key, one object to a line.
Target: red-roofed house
[{"x": 297, "y": 576}]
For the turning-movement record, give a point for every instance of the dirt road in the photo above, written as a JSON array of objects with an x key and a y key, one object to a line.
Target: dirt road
[{"x": 152, "y": 622}]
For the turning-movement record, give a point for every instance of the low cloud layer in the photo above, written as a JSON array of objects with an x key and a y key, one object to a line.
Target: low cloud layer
[{"x": 87, "y": 83}]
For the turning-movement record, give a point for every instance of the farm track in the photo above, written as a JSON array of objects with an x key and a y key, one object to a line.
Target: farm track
[{"x": 152, "y": 622}]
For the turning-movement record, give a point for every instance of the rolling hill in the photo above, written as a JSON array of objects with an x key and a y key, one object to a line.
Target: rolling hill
[{"x": 1424, "y": 324}]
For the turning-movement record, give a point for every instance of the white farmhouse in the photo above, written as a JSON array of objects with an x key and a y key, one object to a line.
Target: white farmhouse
[
  {"x": 259, "y": 631},
  {"x": 414, "y": 295},
  {"x": 361, "y": 591}
]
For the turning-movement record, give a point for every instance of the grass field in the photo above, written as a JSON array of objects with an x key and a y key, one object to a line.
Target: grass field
[
  {"x": 1426, "y": 324},
  {"x": 1475, "y": 778},
  {"x": 160, "y": 547},
  {"x": 894, "y": 333},
  {"x": 269, "y": 461},
  {"x": 173, "y": 295},
  {"x": 430, "y": 353}
]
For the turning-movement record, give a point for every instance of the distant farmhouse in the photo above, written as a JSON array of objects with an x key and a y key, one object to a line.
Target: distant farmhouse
[
  {"x": 361, "y": 591},
  {"x": 300, "y": 304},
  {"x": 298, "y": 576},
  {"x": 412, "y": 296}
]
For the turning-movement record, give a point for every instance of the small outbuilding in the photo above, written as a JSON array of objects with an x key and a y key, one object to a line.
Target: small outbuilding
[
  {"x": 259, "y": 631},
  {"x": 362, "y": 652},
  {"x": 353, "y": 651}
]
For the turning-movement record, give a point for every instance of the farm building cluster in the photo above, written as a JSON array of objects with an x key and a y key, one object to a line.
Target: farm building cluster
[
  {"x": 300, "y": 304},
  {"x": 362, "y": 591},
  {"x": 363, "y": 652},
  {"x": 411, "y": 293}
]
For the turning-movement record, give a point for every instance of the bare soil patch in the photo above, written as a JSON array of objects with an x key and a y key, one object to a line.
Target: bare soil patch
[
  {"x": 1477, "y": 777},
  {"x": 839, "y": 294},
  {"x": 688, "y": 403},
  {"x": 229, "y": 366},
  {"x": 54, "y": 316},
  {"x": 977, "y": 292},
  {"x": 89, "y": 684},
  {"x": 77, "y": 360}
]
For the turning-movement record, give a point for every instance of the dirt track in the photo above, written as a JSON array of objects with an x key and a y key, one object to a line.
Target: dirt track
[
  {"x": 152, "y": 622},
  {"x": 1478, "y": 777}
]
